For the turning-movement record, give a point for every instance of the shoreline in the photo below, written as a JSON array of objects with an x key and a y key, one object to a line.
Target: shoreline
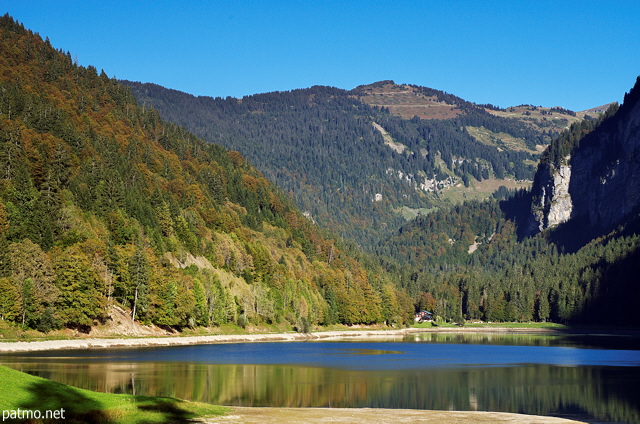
[
  {"x": 271, "y": 415},
  {"x": 255, "y": 415},
  {"x": 105, "y": 343}
]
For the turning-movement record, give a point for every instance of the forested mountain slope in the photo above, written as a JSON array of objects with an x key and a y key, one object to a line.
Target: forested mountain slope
[
  {"x": 102, "y": 203},
  {"x": 478, "y": 260},
  {"x": 356, "y": 168}
]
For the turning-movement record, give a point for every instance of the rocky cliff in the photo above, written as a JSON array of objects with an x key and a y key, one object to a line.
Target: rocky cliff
[
  {"x": 552, "y": 205},
  {"x": 592, "y": 174}
]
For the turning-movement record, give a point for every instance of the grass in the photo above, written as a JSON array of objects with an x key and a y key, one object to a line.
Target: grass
[
  {"x": 26, "y": 392},
  {"x": 545, "y": 325},
  {"x": 406, "y": 102},
  {"x": 410, "y": 213},
  {"x": 521, "y": 325},
  {"x": 501, "y": 139},
  {"x": 14, "y": 333},
  {"x": 479, "y": 190}
]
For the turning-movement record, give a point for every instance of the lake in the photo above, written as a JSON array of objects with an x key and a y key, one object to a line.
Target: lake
[{"x": 588, "y": 378}]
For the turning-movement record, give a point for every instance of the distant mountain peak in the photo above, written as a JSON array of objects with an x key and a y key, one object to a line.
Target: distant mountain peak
[
  {"x": 597, "y": 110},
  {"x": 407, "y": 101}
]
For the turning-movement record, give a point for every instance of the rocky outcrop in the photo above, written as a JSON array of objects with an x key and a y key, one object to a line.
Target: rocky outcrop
[
  {"x": 552, "y": 203},
  {"x": 599, "y": 181}
]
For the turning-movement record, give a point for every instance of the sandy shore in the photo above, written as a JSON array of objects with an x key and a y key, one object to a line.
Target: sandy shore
[
  {"x": 241, "y": 415},
  {"x": 94, "y": 343},
  {"x": 99, "y": 343}
]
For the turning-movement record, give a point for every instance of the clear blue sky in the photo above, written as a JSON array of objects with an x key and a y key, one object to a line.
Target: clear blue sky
[{"x": 575, "y": 54}]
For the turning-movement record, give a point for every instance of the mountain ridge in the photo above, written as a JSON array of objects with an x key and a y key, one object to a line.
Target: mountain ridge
[
  {"x": 352, "y": 165},
  {"x": 580, "y": 262},
  {"x": 588, "y": 175}
]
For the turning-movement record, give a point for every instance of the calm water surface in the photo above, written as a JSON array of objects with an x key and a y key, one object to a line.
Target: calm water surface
[{"x": 595, "y": 378}]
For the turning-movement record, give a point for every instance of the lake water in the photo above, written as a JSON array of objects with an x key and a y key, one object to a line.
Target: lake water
[{"x": 589, "y": 378}]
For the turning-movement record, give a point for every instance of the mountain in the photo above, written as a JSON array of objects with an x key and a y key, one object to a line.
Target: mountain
[
  {"x": 591, "y": 175},
  {"x": 568, "y": 250},
  {"x": 466, "y": 261},
  {"x": 407, "y": 101},
  {"x": 103, "y": 205},
  {"x": 352, "y": 160}
]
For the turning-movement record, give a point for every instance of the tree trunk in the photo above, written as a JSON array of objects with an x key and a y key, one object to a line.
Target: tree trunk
[{"x": 135, "y": 304}]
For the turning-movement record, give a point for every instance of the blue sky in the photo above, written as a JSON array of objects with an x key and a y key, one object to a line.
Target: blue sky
[{"x": 575, "y": 54}]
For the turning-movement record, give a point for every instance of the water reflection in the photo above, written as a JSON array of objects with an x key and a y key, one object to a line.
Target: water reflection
[
  {"x": 604, "y": 393},
  {"x": 559, "y": 339},
  {"x": 358, "y": 355}
]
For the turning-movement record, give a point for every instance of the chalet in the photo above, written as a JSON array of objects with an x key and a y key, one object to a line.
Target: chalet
[{"x": 423, "y": 316}]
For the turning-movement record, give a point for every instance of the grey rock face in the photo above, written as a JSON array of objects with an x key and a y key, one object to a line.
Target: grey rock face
[
  {"x": 561, "y": 205},
  {"x": 606, "y": 171},
  {"x": 552, "y": 205},
  {"x": 599, "y": 182}
]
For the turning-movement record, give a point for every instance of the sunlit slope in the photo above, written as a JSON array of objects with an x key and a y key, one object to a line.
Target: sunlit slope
[{"x": 102, "y": 203}]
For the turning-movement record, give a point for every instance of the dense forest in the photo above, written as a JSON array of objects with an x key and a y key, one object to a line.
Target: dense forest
[
  {"x": 331, "y": 151},
  {"x": 475, "y": 116},
  {"x": 471, "y": 261},
  {"x": 531, "y": 280},
  {"x": 102, "y": 204},
  {"x": 476, "y": 261},
  {"x": 464, "y": 262}
]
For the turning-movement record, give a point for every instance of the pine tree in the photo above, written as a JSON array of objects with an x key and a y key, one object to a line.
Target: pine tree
[{"x": 139, "y": 278}]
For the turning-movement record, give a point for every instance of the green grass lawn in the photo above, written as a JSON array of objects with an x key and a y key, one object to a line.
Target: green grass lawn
[
  {"x": 547, "y": 325},
  {"x": 26, "y": 392},
  {"x": 524, "y": 325}
]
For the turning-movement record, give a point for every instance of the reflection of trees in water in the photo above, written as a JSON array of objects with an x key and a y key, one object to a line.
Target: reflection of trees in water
[
  {"x": 557, "y": 338},
  {"x": 505, "y": 339},
  {"x": 606, "y": 393}
]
